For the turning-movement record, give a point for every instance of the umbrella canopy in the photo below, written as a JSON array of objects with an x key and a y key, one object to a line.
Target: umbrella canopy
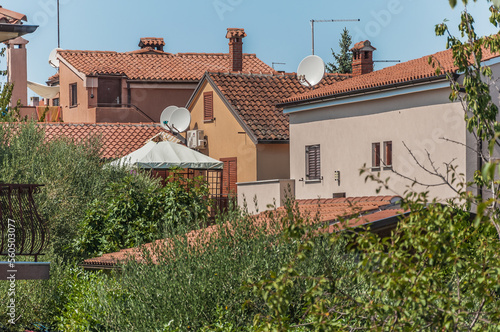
[{"x": 165, "y": 155}]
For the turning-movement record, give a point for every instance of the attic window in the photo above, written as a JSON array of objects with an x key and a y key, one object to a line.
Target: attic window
[{"x": 208, "y": 106}]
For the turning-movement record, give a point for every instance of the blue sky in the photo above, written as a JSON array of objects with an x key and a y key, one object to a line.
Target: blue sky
[{"x": 278, "y": 31}]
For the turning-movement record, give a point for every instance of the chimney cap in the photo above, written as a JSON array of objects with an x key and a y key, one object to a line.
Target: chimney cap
[
  {"x": 151, "y": 41},
  {"x": 235, "y": 33},
  {"x": 365, "y": 45}
]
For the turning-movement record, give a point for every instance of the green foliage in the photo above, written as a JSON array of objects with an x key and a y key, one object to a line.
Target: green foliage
[
  {"x": 72, "y": 175},
  {"x": 343, "y": 61},
  {"x": 132, "y": 212},
  {"x": 8, "y": 113}
]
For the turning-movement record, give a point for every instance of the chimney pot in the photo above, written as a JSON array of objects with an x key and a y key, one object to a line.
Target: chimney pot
[
  {"x": 152, "y": 43},
  {"x": 362, "y": 58}
]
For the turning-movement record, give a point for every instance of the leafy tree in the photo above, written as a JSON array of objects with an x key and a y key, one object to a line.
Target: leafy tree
[
  {"x": 439, "y": 270},
  {"x": 342, "y": 63}
]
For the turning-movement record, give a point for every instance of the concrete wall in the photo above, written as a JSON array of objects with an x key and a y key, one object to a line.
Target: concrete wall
[
  {"x": 265, "y": 193},
  {"x": 79, "y": 113},
  {"x": 152, "y": 99},
  {"x": 273, "y": 161},
  {"x": 225, "y": 136},
  {"x": 346, "y": 132}
]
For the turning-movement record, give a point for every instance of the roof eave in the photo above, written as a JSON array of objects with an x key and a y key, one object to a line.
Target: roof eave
[{"x": 347, "y": 94}]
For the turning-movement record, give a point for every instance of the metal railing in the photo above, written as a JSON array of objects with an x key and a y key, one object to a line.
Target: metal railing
[{"x": 22, "y": 230}]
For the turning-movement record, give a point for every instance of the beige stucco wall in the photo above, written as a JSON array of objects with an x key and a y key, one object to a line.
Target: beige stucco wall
[
  {"x": 268, "y": 194},
  {"x": 80, "y": 112},
  {"x": 225, "y": 136},
  {"x": 345, "y": 134}
]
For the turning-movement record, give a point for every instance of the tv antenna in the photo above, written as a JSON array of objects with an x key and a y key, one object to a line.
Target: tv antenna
[
  {"x": 311, "y": 71},
  {"x": 325, "y": 21},
  {"x": 278, "y": 63}
]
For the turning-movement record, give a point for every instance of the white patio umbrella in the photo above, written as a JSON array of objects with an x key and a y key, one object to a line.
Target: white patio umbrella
[{"x": 165, "y": 155}]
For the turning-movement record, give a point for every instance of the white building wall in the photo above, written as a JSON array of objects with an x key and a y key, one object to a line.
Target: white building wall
[{"x": 346, "y": 133}]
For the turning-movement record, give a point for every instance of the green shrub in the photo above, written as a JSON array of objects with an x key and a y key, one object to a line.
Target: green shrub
[{"x": 132, "y": 212}]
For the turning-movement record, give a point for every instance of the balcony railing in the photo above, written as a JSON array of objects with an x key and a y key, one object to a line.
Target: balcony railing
[{"x": 22, "y": 230}]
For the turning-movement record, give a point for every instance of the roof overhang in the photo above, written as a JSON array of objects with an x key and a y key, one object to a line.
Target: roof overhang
[
  {"x": 12, "y": 31},
  {"x": 369, "y": 94}
]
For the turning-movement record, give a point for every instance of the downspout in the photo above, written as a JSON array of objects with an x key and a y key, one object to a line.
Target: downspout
[{"x": 129, "y": 96}]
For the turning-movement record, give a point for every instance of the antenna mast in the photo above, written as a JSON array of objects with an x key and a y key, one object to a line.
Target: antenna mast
[
  {"x": 321, "y": 21},
  {"x": 58, "y": 29}
]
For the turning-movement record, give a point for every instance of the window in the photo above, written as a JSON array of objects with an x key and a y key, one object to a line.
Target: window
[
  {"x": 73, "y": 101},
  {"x": 208, "y": 106},
  {"x": 375, "y": 155},
  {"x": 313, "y": 163},
  {"x": 55, "y": 102},
  {"x": 388, "y": 154}
]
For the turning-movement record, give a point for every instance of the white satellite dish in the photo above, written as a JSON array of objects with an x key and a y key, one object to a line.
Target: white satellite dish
[
  {"x": 53, "y": 61},
  {"x": 165, "y": 116},
  {"x": 311, "y": 70},
  {"x": 180, "y": 119},
  {"x": 175, "y": 119}
]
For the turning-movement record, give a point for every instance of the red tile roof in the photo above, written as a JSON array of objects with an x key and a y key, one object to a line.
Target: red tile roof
[
  {"x": 255, "y": 96},
  {"x": 149, "y": 64},
  {"x": 400, "y": 73},
  {"x": 54, "y": 79},
  {"x": 11, "y": 17},
  {"x": 117, "y": 139},
  {"x": 327, "y": 210}
]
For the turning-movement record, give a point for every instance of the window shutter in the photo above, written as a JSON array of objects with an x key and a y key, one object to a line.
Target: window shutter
[
  {"x": 208, "y": 106},
  {"x": 229, "y": 176},
  {"x": 313, "y": 160},
  {"x": 375, "y": 154},
  {"x": 388, "y": 153}
]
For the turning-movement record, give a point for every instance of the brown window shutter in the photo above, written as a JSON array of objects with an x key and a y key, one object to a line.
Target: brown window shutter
[
  {"x": 388, "y": 153},
  {"x": 208, "y": 106},
  {"x": 375, "y": 154},
  {"x": 313, "y": 160},
  {"x": 229, "y": 176}
]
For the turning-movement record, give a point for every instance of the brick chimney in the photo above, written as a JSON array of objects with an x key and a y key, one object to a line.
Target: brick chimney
[
  {"x": 17, "y": 71},
  {"x": 362, "y": 58},
  {"x": 235, "y": 37},
  {"x": 152, "y": 43}
]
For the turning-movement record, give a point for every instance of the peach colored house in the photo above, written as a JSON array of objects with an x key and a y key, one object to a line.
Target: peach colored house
[
  {"x": 242, "y": 125},
  {"x": 375, "y": 120},
  {"x": 105, "y": 86}
]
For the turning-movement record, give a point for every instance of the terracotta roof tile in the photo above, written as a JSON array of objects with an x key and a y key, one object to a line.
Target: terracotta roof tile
[
  {"x": 255, "y": 96},
  {"x": 329, "y": 210},
  {"x": 156, "y": 65},
  {"x": 151, "y": 41},
  {"x": 11, "y": 17},
  {"x": 400, "y": 73},
  {"x": 117, "y": 139},
  {"x": 235, "y": 33}
]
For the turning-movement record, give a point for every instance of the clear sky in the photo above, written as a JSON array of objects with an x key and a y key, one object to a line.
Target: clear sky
[{"x": 278, "y": 31}]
